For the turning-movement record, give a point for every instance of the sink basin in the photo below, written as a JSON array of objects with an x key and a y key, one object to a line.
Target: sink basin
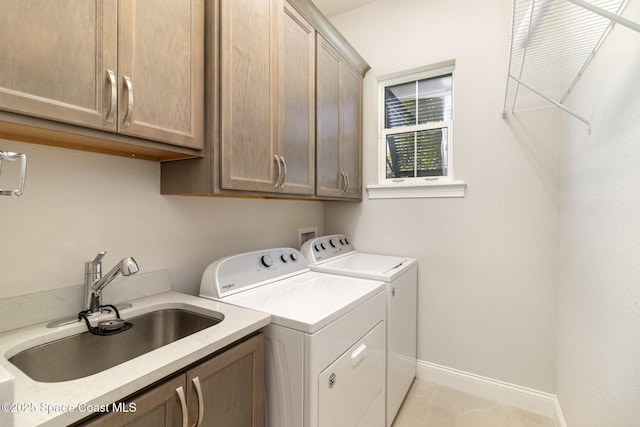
[{"x": 85, "y": 354}]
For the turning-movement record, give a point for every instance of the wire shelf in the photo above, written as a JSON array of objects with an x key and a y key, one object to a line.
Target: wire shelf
[{"x": 552, "y": 43}]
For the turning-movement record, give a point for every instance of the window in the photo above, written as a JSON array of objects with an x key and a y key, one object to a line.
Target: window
[{"x": 416, "y": 129}]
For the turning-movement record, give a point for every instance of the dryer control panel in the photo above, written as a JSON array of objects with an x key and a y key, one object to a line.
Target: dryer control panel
[
  {"x": 325, "y": 248},
  {"x": 242, "y": 272}
]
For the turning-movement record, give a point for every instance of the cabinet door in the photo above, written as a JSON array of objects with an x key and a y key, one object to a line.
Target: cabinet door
[
  {"x": 296, "y": 99},
  {"x": 160, "y": 406},
  {"x": 161, "y": 70},
  {"x": 329, "y": 178},
  {"x": 248, "y": 95},
  {"x": 231, "y": 387},
  {"x": 339, "y": 129},
  {"x": 55, "y": 59},
  {"x": 351, "y": 141}
]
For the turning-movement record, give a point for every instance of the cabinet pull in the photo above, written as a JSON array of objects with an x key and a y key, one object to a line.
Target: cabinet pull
[
  {"x": 275, "y": 156},
  {"x": 196, "y": 383},
  {"x": 346, "y": 188},
  {"x": 183, "y": 405},
  {"x": 129, "y": 87},
  {"x": 284, "y": 175},
  {"x": 113, "y": 100},
  {"x": 344, "y": 178}
]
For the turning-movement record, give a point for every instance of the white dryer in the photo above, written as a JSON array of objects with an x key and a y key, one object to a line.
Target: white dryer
[
  {"x": 325, "y": 347},
  {"x": 336, "y": 254}
]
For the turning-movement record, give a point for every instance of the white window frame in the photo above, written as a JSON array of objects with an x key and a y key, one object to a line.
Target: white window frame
[{"x": 440, "y": 186}]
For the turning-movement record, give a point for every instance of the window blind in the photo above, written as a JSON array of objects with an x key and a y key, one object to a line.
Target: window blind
[{"x": 418, "y": 102}]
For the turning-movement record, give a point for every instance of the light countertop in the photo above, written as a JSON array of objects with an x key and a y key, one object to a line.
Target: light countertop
[{"x": 59, "y": 404}]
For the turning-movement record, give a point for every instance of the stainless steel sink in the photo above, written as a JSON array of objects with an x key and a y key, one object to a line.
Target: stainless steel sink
[{"x": 85, "y": 354}]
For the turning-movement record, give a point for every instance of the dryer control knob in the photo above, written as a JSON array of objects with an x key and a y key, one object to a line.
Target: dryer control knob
[
  {"x": 316, "y": 247},
  {"x": 323, "y": 246},
  {"x": 332, "y": 242},
  {"x": 266, "y": 260},
  {"x": 284, "y": 258}
]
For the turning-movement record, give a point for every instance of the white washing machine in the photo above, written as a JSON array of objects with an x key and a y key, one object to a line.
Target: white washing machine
[
  {"x": 325, "y": 346},
  {"x": 336, "y": 254}
]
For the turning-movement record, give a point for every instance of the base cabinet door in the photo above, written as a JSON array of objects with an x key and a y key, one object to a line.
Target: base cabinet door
[
  {"x": 158, "y": 407},
  {"x": 226, "y": 390}
]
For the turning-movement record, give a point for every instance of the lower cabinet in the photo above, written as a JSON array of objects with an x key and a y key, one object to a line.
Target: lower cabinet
[{"x": 226, "y": 390}]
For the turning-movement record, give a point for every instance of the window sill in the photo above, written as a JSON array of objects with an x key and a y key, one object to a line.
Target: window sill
[{"x": 413, "y": 190}]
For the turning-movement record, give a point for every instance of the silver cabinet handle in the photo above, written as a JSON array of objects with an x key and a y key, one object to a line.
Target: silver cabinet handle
[
  {"x": 196, "y": 383},
  {"x": 129, "y": 87},
  {"x": 113, "y": 100},
  {"x": 346, "y": 188},
  {"x": 12, "y": 157},
  {"x": 183, "y": 405},
  {"x": 275, "y": 156},
  {"x": 284, "y": 175},
  {"x": 344, "y": 178}
]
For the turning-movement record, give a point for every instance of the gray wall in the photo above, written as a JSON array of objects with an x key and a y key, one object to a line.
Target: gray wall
[
  {"x": 488, "y": 262},
  {"x": 77, "y": 204},
  {"x": 598, "y": 380}
]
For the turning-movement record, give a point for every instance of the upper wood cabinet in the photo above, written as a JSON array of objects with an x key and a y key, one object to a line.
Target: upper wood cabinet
[
  {"x": 56, "y": 59},
  {"x": 126, "y": 67},
  {"x": 265, "y": 77},
  {"x": 161, "y": 70},
  {"x": 267, "y": 73},
  {"x": 339, "y": 125},
  {"x": 296, "y": 91}
]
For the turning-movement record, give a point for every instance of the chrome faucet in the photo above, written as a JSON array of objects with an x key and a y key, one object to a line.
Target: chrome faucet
[{"x": 95, "y": 282}]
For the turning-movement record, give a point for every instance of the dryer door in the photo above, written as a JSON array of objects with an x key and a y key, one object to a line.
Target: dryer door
[{"x": 352, "y": 383}]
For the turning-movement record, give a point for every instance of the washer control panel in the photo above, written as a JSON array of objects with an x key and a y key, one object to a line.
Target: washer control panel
[
  {"x": 242, "y": 272},
  {"x": 324, "y": 248}
]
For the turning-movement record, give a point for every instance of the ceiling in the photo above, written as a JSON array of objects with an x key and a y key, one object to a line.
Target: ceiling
[{"x": 330, "y": 8}]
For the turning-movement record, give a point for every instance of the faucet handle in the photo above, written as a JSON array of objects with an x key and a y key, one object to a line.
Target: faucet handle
[
  {"x": 99, "y": 257},
  {"x": 94, "y": 268}
]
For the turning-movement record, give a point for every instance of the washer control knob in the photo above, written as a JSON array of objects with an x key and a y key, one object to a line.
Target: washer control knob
[
  {"x": 323, "y": 246},
  {"x": 332, "y": 380},
  {"x": 293, "y": 256},
  {"x": 284, "y": 258},
  {"x": 346, "y": 241},
  {"x": 266, "y": 260},
  {"x": 332, "y": 242},
  {"x": 316, "y": 247}
]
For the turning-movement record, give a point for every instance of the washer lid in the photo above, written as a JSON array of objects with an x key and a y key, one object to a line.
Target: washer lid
[
  {"x": 369, "y": 266},
  {"x": 308, "y": 302}
]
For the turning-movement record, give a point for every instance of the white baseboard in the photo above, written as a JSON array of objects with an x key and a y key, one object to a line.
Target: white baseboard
[{"x": 509, "y": 394}]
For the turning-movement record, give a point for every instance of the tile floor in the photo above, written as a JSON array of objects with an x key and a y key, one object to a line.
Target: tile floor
[{"x": 431, "y": 405}]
